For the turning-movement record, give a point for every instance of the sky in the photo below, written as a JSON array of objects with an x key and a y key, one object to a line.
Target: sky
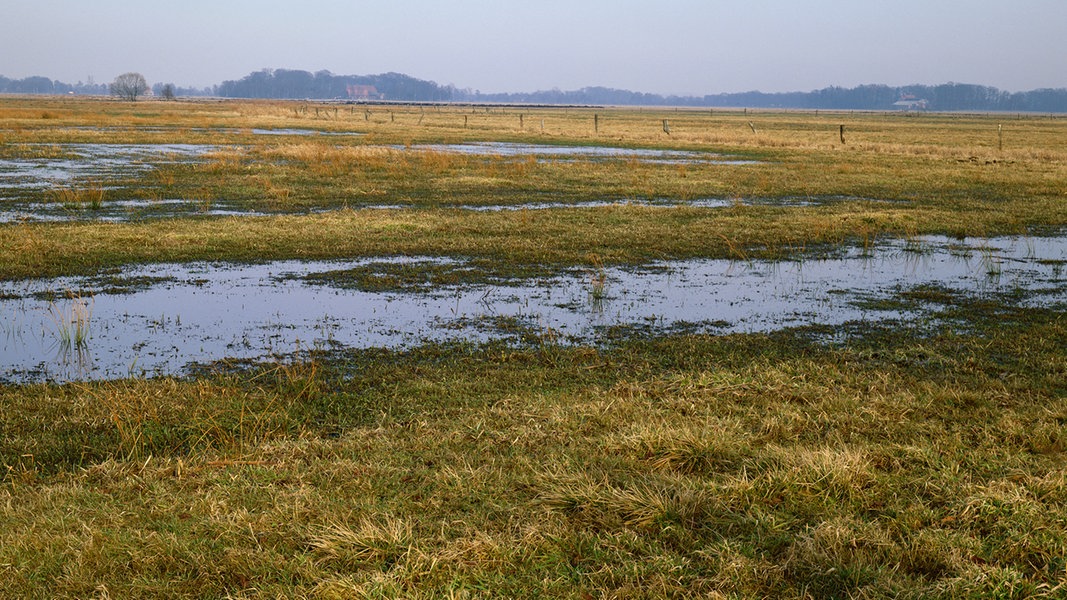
[{"x": 683, "y": 47}]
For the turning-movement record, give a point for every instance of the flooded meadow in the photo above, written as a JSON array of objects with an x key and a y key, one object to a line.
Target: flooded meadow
[
  {"x": 61, "y": 164},
  {"x": 163, "y": 319},
  {"x": 319, "y": 349},
  {"x": 70, "y": 182},
  {"x": 550, "y": 152}
]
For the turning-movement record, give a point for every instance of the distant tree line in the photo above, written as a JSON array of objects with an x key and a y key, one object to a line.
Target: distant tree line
[
  {"x": 169, "y": 90},
  {"x": 44, "y": 85},
  {"x": 945, "y": 97},
  {"x": 587, "y": 95},
  {"x": 284, "y": 83},
  {"x": 294, "y": 84}
]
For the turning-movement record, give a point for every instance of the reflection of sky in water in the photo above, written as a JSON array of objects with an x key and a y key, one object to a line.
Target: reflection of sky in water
[
  {"x": 93, "y": 162},
  {"x": 126, "y": 210},
  {"x": 206, "y": 312},
  {"x": 211, "y": 130},
  {"x": 104, "y": 163},
  {"x": 604, "y": 152},
  {"x": 300, "y": 132},
  {"x": 117, "y": 211}
]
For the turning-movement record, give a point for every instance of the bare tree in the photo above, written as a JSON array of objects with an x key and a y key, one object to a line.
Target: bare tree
[
  {"x": 168, "y": 91},
  {"x": 128, "y": 86}
]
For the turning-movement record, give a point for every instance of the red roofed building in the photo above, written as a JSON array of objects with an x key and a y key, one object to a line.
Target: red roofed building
[
  {"x": 911, "y": 102},
  {"x": 364, "y": 92}
]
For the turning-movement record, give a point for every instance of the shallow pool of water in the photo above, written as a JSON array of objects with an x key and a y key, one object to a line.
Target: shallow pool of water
[
  {"x": 13, "y": 211},
  {"x": 594, "y": 152},
  {"x": 93, "y": 162},
  {"x": 302, "y": 132},
  {"x": 117, "y": 211},
  {"x": 665, "y": 203},
  {"x": 212, "y": 130},
  {"x": 79, "y": 328}
]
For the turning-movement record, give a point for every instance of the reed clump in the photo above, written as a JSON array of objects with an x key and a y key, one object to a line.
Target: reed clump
[
  {"x": 88, "y": 196},
  {"x": 72, "y": 323}
]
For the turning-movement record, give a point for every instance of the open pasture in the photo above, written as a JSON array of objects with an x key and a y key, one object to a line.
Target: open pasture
[{"x": 561, "y": 352}]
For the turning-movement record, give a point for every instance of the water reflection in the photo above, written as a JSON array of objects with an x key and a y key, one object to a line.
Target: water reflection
[
  {"x": 92, "y": 162},
  {"x": 205, "y": 312},
  {"x": 513, "y": 149}
]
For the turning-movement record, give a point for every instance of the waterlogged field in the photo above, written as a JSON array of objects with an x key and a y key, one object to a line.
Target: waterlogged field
[
  {"x": 161, "y": 319},
  {"x": 255, "y": 349}
]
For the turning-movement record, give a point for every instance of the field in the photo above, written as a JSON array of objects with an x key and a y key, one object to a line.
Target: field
[{"x": 912, "y": 443}]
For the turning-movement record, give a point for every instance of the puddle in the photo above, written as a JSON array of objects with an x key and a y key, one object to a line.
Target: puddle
[
  {"x": 94, "y": 162},
  {"x": 79, "y": 328},
  {"x": 300, "y": 132},
  {"x": 699, "y": 203},
  {"x": 126, "y": 210},
  {"x": 666, "y": 203},
  {"x": 510, "y": 149},
  {"x": 212, "y": 130},
  {"x": 117, "y": 211}
]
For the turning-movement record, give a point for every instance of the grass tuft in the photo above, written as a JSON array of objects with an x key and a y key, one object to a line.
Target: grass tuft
[
  {"x": 88, "y": 197},
  {"x": 72, "y": 323},
  {"x": 372, "y": 544}
]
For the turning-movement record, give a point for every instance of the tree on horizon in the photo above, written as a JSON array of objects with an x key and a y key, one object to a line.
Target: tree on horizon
[{"x": 129, "y": 86}]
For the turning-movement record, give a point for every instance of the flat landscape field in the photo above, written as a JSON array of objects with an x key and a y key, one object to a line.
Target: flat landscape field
[{"x": 297, "y": 349}]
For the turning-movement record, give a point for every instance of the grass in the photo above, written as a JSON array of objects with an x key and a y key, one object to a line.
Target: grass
[
  {"x": 422, "y": 276},
  {"x": 90, "y": 196},
  {"x": 898, "y": 176},
  {"x": 621, "y": 234},
  {"x": 72, "y": 323},
  {"x": 867, "y": 460},
  {"x": 598, "y": 281},
  {"x": 751, "y": 465}
]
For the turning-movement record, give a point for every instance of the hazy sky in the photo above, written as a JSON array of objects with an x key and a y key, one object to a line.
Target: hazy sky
[{"x": 666, "y": 46}]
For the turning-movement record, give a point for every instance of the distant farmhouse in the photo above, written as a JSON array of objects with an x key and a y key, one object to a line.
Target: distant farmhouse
[
  {"x": 364, "y": 92},
  {"x": 909, "y": 102}
]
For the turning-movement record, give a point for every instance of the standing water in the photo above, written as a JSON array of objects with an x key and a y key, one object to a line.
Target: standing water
[{"x": 160, "y": 319}]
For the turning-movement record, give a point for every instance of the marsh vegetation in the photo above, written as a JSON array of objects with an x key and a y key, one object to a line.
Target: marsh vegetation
[{"x": 255, "y": 350}]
